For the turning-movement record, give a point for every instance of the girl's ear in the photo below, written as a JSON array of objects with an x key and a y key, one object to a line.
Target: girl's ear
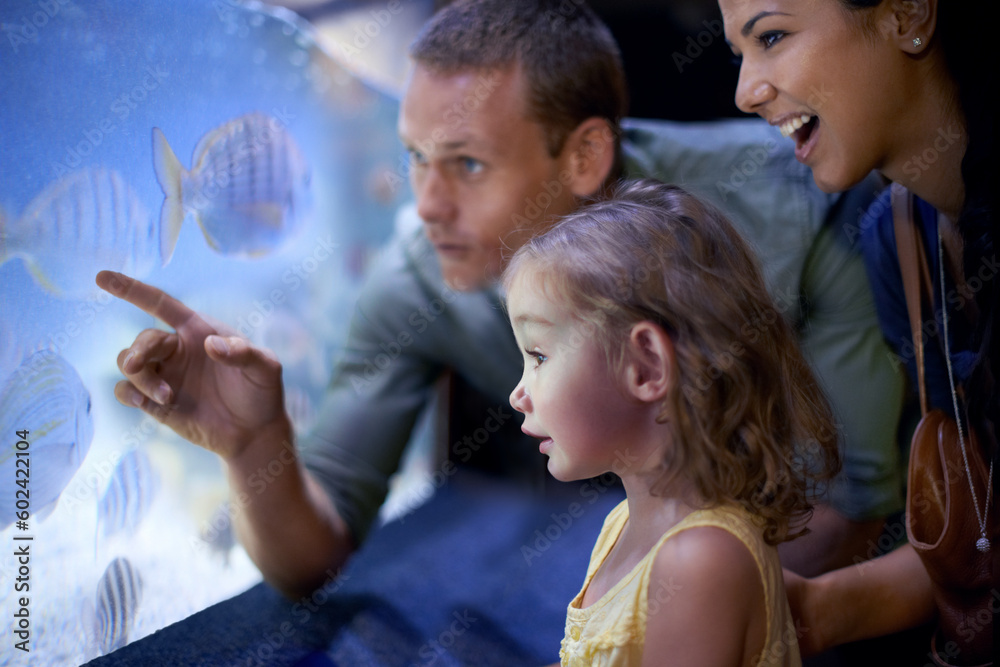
[
  {"x": 649, "y": 370},
  {"x": 911, "y": 23}
]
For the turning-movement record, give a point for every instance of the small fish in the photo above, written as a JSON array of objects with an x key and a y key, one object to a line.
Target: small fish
[
  {"x": 129, "y": 495},
  {"x": 247, "y": 189},
  {"x": 300, "y": 408},
  {"x": 119, "y": 593},
  {"x": 218, "y": 532},
  {"x": 88, "y": 220},
  {"x": 45, "y": 400}
]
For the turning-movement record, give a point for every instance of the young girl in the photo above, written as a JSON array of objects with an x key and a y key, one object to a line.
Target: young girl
[{"x": 653, "y": 350}]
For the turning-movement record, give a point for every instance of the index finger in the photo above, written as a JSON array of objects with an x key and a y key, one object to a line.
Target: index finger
[{"x": 151, "y": 299}]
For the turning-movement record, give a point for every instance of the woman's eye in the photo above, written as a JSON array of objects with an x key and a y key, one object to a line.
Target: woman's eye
[{"x": 770, "y": 38}]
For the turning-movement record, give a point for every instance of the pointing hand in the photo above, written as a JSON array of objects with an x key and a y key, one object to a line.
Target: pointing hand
[{"x": 213, "y": 388}]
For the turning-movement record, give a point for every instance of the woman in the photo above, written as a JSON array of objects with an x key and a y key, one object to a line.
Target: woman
[{"x": 895, "y": 86}]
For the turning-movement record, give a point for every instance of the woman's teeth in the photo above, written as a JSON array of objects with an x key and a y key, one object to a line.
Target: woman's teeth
[{"x": 794, "y": 124}]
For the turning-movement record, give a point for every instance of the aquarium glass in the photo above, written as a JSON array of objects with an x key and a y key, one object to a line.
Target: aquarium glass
[{"x": 225, "y": 153}]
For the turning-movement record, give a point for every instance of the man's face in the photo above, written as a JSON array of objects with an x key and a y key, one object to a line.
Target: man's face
[{"x": 483, "y": 178}]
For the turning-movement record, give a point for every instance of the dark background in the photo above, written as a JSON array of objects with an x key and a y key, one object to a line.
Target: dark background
[{"x": 678, "y": 64}]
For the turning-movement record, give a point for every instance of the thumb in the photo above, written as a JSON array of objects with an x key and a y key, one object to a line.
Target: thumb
[{"x": 259, "y": 364}]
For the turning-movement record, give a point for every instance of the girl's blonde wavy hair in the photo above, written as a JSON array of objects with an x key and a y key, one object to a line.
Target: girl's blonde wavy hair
[{"x": 750, "y": 423}]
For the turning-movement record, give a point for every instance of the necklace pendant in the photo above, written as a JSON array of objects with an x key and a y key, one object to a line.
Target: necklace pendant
[{"x": 983, "y": 544}]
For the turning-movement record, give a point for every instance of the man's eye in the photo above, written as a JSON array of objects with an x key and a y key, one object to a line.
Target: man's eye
[
  {"x": 471, "y": 165},
  {"x": 416, "y": 157}
]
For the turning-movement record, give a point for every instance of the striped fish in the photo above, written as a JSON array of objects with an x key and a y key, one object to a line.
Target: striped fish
[
  {"x": 119, "y": 593},
  {"x": 88, "y": 220},
  {"x": 45, "y": 396},
  {"x": 129, "y": 494},
  {"x": 248, "y": 187}
]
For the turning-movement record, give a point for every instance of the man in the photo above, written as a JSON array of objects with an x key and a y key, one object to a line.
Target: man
[{"x": 511, "y": 117}]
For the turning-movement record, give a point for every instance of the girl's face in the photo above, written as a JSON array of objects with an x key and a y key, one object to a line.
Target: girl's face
[
  {"x": 808, "y": 68},
  {"x": 571, "y": 400}
]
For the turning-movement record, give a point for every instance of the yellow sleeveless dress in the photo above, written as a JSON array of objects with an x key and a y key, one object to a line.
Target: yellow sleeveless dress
[{"x": 612, "y": 631}]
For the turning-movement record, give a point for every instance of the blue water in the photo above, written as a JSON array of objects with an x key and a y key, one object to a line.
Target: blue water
[{"x": 82, "y": 84}]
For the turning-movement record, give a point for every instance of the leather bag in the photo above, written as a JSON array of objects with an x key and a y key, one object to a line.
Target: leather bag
[{"x": 941, "y": 520}]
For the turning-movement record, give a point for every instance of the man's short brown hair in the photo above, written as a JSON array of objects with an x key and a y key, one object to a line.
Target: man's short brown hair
[{"x": 570, "y": 59}]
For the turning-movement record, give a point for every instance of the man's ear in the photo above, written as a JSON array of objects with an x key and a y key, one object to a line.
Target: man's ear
[
  {"x": 650, "y": 365},
  {"x": 910, "y": 23},
  {"x": 588, "y": 156}
]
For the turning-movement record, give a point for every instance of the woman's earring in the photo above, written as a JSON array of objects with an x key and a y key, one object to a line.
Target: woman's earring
[{"x": 917, "y": 41}]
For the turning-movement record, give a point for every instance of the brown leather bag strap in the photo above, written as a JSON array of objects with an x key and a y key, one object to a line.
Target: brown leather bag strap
[{"x": 913, "y": 266}]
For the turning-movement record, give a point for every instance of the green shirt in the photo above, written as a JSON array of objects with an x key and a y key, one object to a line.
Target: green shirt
[{"x": 408, "y": 326}]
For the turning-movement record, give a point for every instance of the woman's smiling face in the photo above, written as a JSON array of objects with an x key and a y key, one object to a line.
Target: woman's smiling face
[{"x": 810, "y": 68}]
